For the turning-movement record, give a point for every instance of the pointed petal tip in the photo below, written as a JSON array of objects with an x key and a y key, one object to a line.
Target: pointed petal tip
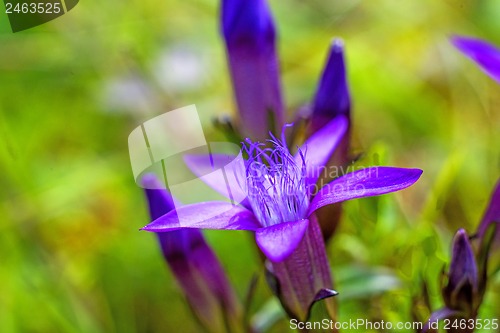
[
  {"x": 325, "y": 293},
  {"x": 148, "y": 228},
  {"x": 418, "y": 172},
  {"x": 462, "y": 233},
  {"x": 485, "y": 54},
  {"x": 412, "y": 174},
  {"x": 456, "y": 39},
  {"x": 461, "y": 243},
  {"x": 464, "y": 42},
  {"x": 337, "y": 45}
]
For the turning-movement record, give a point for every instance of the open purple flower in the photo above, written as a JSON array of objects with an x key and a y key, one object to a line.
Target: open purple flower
[
  {"x": 279, "y": 192},
  {"x": 278, "y": 200},
  {"x": 486, "y": 55},
  {"x": 195, "y": 267}
]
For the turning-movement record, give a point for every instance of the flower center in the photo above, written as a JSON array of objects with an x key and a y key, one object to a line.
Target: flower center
[{"x": 275, "y": 183}]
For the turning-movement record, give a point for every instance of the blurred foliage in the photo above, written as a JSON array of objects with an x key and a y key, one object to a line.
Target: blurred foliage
[{"x": 73, "y": 89}]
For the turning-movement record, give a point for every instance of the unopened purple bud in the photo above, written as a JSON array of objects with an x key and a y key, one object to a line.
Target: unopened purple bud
[
  {"x": 332, "y": 97},
  {"x": 249, "y": 34},
  {"x": 195, "y": 267},
  {"x": 461, "y": 291}
]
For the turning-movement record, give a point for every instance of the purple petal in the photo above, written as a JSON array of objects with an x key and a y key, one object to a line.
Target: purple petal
[
  {"x": 492, "y": 215},
  {"x": 280, "y": 240},
  {"x": 249, "y": 34},
  {"x": 332, "y": 97},
  {"x": 364, "y": 183},
  {"x": 436, "y": 316},
  {"x": 319, "y": 148},
  {"x": 486, "y": 55},
  {"x": 205, "y": 215},
  {"x": 224, "y": 173}
]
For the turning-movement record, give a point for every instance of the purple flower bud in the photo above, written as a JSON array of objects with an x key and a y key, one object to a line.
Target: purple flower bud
[
  {"x": 195, "y": 267},
  {"x": 332, "y": 97},
  {"x": 249, "y": 33},
  {"x": 461, "y": 291},
  {"x": 461, "y": 294},
  {"x": 332, "y": 100},
  {"x": 482, "y": 53}
]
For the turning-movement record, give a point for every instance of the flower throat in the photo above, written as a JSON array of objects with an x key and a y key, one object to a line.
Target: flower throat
[{"x": 275, "y": 183}]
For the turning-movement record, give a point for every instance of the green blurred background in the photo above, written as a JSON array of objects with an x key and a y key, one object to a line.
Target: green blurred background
[{"x": 71, "y": 256}]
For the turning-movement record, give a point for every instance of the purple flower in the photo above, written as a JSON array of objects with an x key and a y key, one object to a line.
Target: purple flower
[
  {"x": 277, "y": 198},
  {"x": 482, "y": 53},
  {"x": 195, "y": 267},
  {"x": 249, "y": 33}
]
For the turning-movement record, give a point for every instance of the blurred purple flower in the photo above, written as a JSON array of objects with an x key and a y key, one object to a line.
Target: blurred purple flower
[
  {"x": 195, "y": 267},
  {"x": 486, "y": 55},
  {"x": 492, "y": 216},
  {"x": 280, "y": 199},
  {"x": 468, "y": 272},
  {"x": 461, "y": 293},
  {"x": 249, "y": 33},
  {"x": 462, "y": 286}
]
